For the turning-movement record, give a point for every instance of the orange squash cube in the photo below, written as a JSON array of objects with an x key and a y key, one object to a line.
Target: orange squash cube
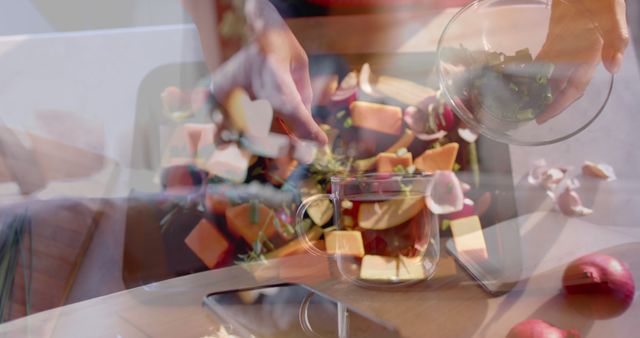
[
  {"x": 387, "y": 162},
  {"x": 207, "y": 243},
  {"x": 247, "y": 221},
  {"x": 379, "y": 117},
  {"x": 441, "y": 158}
]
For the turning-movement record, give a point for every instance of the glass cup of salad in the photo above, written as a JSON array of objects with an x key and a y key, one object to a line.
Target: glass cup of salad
[
  {"x": 383, "y": 233},
  {"x": 507, "y": 79}
]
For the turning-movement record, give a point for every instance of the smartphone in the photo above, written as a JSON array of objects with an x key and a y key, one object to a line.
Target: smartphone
[
  {"x": 501, "y": 271},
  {"x": 289, "y": 310}
]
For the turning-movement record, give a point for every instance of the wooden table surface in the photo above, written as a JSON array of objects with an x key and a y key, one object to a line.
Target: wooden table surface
[{"x": 449, "y": 305}]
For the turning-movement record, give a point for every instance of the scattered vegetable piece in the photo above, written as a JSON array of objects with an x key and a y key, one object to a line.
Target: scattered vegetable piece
[
  {"x": 381, "y": 118},
  {"x": 387, "y": 162},
  {"x": 241, "y": 223},
  {"x": 320, "y": 211},
  {"x": 441, "y": 158},
  {"x": 444, "y": 194},
  {"x": 207, "y": 243},
  {"x": 347, "y": 92},
  {"x": 599, "y": 285},
  {"x": 403, "y": 142},
  {"x": 602, "y": 171},
  {"x": 535, "y": 328}
]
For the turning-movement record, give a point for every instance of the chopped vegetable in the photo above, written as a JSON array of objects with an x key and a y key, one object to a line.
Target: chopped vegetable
[
  {"x": 444, "y": 194},
  {"x": 381, "y": 118},
  {"x": 441, "y": 158}
]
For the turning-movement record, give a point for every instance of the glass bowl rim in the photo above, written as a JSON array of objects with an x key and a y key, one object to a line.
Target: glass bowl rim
[{"x": 486, "y": 131}]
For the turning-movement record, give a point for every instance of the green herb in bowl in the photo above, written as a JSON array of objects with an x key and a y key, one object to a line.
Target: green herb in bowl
[{"x": 512, "y": 88}]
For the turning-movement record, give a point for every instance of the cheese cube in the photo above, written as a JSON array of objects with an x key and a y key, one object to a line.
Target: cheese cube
[
  {"x": 387, "y": 162},
  {"x": 229, "y": 162},
  {"x": 348, "y": 243},
  {"x": 410, "y": 268},
  {"x": 272, "y": 145},
  {"x": 379, "y": 268},
  {"x": 468, "y": 237}
]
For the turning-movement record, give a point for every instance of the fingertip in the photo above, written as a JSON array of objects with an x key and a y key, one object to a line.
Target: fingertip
[{"x": 614, "y": 63}]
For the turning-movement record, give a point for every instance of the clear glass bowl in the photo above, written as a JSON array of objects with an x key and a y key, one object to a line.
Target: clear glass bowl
[{"x": 484, "y": 33}]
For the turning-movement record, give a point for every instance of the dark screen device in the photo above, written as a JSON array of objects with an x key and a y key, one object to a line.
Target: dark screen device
[{"x": 289, "y": 310}]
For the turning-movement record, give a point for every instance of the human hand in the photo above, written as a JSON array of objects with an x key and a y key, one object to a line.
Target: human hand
[
  {"x": 273, "y": 67},
  {"x": 581, "y": 34}
]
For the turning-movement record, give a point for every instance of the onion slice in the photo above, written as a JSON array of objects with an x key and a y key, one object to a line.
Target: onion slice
[
  {"x": 431, "y": 137},
  {"x": 347, "y": 91},
  {"x": 444, "y": 194},
  {"x": 415, "y": 120},
  {"x": 467, "y": 135},
  {"x": 364, "y": 80}
]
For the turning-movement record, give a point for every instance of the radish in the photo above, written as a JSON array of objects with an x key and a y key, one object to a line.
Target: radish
[
  {"x": 535, "y": 328},
  {"x": 599, "y": 286},
  {"x": 445, "y": 118}
]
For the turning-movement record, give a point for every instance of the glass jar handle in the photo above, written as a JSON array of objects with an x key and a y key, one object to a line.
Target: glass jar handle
[
  {"x": 299, "y": 218},
  {"x": 303, "y": 317}
]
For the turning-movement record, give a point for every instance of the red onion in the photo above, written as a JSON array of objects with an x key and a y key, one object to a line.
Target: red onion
[
  {"x": 347, "y": 91},
  {"x": 535, "y": 328},
  {"x": 445, "y": 118},
  {"x": 598, "y": 286}
]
